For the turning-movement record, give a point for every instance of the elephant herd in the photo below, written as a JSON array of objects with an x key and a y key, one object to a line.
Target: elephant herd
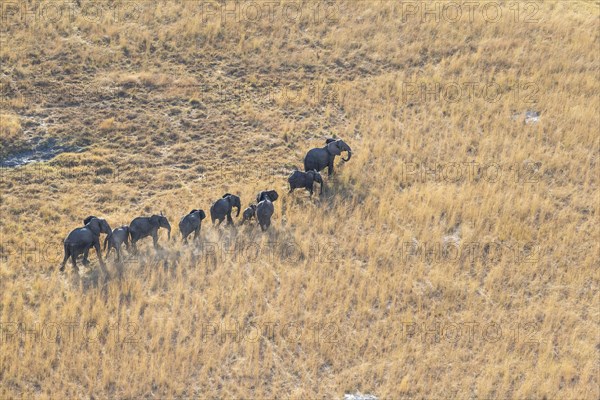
[{"x": 82, "y": 239}]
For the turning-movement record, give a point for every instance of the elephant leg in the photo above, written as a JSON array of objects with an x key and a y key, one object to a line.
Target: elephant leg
[
  {"x": 330, "y": 168},
  {"x": 155, "y": 239},
  {"x": 74, "y": 254},
  {"x": 196, "y": 233},
  {"x": 74, "y": 262},
  {"x": 99, "y": 254},
  {"x": 108, "y": 251},
  {"x": 85, "y": 260},
  {"x": 229, "y": 219},
  {"x": 118, "y": 251},
  {"x": 62, "y": 267}
]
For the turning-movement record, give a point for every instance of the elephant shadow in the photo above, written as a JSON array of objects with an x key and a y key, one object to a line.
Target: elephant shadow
[
  {"x": 341, "y": 189},
  {"x": 88, "y": 279}
]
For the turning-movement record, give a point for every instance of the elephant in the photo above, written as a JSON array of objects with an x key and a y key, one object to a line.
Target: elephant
[
  {"x": 248, "y": 213},
  {"x": 80, "y": 240},
  {"x": 222, "y": 208},
  {"x": 321, "y": 157},
  {"x": 115, "y": 239},
  {"x": 142, "y": 227},
  {"x": 265, "y": 208},
  {"x": 270, "y": 194},
  {"x": 191, "y": 222},
  {"x": 299, "y": 179}
]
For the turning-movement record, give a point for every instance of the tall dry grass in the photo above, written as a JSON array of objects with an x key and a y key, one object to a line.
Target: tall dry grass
[{"x": 455, "y": 255}]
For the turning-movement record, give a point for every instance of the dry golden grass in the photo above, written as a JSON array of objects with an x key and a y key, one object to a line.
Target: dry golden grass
[{"x": 350, "y": 290}]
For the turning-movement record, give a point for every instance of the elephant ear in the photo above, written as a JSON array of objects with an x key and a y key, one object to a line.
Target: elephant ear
[
  {"x": 329, "y": 140},
  {"x": 273, "y": 195},
  {"x": 88, "y": 219},
  {"x": 226, "y": 194},
  {"x": 202, "y": 214},
  {"x": 94, "y": 226},
  {"x": 155, "y": 220},
  {"x": 261, "y": 196},
  {"x": 193, "y": 211},
  {"x": 333, "y": 148}
]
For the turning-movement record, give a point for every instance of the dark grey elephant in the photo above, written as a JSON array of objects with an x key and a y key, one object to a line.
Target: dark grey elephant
[
  {"x": 322, "y": 157},
  {"x": 222, "y": 208},
  {"x": 80, "y": 240},
  {"x": 265, "y": 208},
  {"x": 115, "y": 239},
  {"x": 142, "y": 227},
  {"x": 191, "y": 222},
  {"x": 248, "y": 213},
  {"x": 270, "y": 194},
  {"x": 299, "y": 179}
]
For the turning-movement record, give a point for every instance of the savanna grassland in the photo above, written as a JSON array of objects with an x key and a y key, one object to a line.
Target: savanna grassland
[{"x": 455, "y": 255}]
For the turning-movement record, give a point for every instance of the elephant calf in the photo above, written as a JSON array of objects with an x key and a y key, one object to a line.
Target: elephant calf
[
  {"x": 248, "y": 213},
  {"x": 115, "y": 239},
  {"x": 265, "y": 208},
  {"x": 192, "y": 222},
  {"x": 142, "y": 227},
  {"x": 80, "y": 240},
  {"x": 299, "y": 179}
]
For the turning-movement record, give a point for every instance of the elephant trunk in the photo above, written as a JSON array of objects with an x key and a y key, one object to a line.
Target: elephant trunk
[
  {"x": 106, "y": 241},
  {"x": 349, "y": 156},
  {"x": 166, "y": 225}
]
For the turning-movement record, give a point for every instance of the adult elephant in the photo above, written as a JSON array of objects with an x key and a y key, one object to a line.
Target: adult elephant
[
  {"x": 142, "y": 227},
  {"x": 321, "y": 157},
  {"x": 80, "y": 240},
  {"x": 265, "y": 208},
  {"x": 222, "y": 208},
  {"x": 191, "y": 222}
]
